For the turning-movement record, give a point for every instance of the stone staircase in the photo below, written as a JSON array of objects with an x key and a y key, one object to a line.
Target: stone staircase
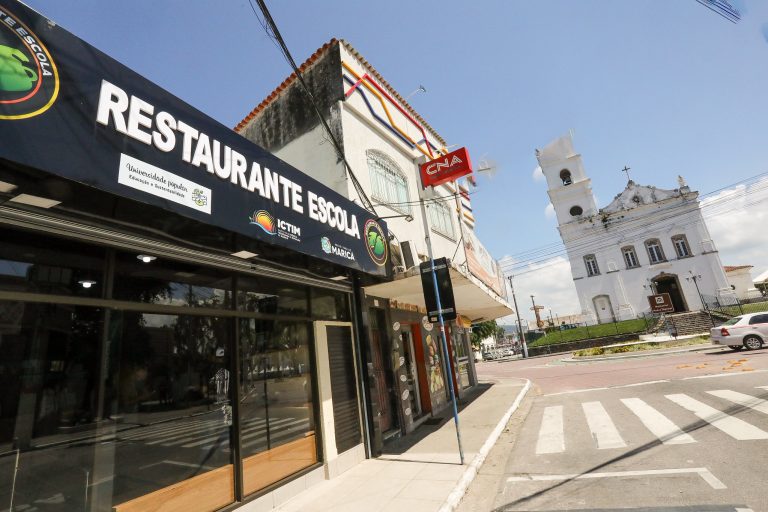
[{"x": 694, "y": 322}]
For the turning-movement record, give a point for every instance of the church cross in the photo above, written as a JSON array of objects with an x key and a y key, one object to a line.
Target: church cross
[{"x": 626, "y": 170}]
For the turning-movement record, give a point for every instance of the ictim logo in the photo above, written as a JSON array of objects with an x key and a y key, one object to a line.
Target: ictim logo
[{"x": 264, "y": 220}]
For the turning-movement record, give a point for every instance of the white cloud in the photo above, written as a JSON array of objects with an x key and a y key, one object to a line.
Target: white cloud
[
  {"x": 538, "y": 174},
  {"x": 737, "y": 220},
  {"x": 551, "y": 283},
  {"x": 549, "y": 211}
]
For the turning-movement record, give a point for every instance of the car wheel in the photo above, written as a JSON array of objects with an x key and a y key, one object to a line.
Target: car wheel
[
  {"x": 752, "y": 342},
  {"x": 736, "y": 347}
]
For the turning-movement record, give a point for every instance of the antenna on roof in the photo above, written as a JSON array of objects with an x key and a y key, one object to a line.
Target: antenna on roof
[{"x": 420, "y": 89}]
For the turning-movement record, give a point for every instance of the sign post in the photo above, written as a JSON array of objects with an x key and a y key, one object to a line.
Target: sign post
[{"x": 446, "y": 168}]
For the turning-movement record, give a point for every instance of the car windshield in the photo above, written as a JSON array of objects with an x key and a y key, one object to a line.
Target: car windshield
[{"x": 733, "y": 321}]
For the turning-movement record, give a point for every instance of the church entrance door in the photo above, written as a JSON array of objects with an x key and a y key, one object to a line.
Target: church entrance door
[
  {"x": 603, "y": 309},
  {"x": 668, "y": 283}
]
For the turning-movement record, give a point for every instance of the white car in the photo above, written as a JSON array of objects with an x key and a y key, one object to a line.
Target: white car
[{"x": 749, "y": 331}]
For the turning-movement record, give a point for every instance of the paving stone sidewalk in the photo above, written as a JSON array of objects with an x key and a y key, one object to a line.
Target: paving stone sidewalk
[{"x": 417, "y": 473}]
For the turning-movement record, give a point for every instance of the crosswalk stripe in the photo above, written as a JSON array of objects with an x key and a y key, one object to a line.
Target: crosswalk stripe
[
  {"x": 742, "y": 399},
  {"x": 278, "y": 435},
  {"x": 184, "y": 432},
  {"x": 659, "y": 425},
  {"x": 551, "y": 435},
  {"x": 762, "y": 387},
  {"x": 734, "y": 427},
  {"x": 211, "y": 437},
  {"x": 145, "y": 434},
  {"x": 602, "y": 428}
]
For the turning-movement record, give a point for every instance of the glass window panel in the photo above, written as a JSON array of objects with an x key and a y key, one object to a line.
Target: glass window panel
[
  {"x": 330, "y": 305},
  {"x": 170, "y": 398},
  {"x": 277, "y": 412},
  {"x": 172, "y": 283},
  {"x": 33, "y": 263},
  {"x": 49, "y": 376},
  {"x": 262, "y": 295}
]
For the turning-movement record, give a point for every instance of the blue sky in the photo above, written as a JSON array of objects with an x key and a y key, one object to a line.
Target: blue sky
[{"x": 665, "y": 87}]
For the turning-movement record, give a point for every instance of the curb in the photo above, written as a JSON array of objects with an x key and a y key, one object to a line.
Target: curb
[
  {"x": 454, "y": 498},
  {"x": 633, "y": 356}
]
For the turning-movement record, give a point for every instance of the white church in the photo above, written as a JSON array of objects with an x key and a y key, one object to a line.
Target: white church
[{"x": 647, "y": 241}]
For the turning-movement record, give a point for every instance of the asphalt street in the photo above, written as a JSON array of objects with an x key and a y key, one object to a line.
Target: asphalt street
[{"x": 675, "y": 433}]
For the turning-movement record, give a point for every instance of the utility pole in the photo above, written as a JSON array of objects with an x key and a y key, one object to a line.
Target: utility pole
[
  {"x": 519, "y": 323},
  {"x": 447, "y": 355}
]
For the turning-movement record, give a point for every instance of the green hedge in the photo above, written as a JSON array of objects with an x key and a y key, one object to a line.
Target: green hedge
[{"x": 592, "y": 331}]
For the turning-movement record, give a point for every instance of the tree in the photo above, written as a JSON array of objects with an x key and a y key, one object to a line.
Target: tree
[{"x": 482, "y": 331}]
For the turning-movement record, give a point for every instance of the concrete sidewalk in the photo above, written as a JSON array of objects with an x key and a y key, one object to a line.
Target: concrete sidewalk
[{"x": 421, "y": 472}]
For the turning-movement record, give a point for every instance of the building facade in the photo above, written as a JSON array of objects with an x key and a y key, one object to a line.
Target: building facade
[
  {"x": 184, "y": 317},
  {"x": 173, "y": 334},
  {"x": 383, "y": 142},
  {"x": 646, "y": 241}
]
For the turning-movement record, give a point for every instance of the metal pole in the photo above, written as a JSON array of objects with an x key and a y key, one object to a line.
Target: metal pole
[
  {"x": 701, "y": 298},
  {"x": 519, "y": 323},
  {"x": 448, "y": 372}
]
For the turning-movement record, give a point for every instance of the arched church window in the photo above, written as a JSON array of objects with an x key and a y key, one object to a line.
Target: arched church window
[
  {"x": 591, "y": 262},
  {"x": 575, "y": 211},
  {"x": 630, "y": 256},
  {"x": 565, "y": 175},
  {"x": 655, "y": 252},
  {"x": 682, "y": 248}
]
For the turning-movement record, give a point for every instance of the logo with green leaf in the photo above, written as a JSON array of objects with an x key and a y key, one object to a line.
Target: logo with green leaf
[
  {"x": 29, "y": 79},
  {"x": 375, "y": 242}
]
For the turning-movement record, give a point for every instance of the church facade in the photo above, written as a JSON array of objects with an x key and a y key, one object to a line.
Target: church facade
[{"x": 648, "y": 240}]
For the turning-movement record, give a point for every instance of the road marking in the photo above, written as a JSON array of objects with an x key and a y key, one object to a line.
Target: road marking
[
  {"x": 661, "y": 426},
  {"x": 602, "y": 428},
  {"x": 742, "y": 399},
  {"x": 551, "y": 435},
  {"x": 704, "y": 473},
  {"x": 611, "y": 387},
  {"x": 716, "y": 375},
  {"x": 734, "y": 427},
  {"x": 762, "y": 387},
  {"x": 738, "y": 509}
]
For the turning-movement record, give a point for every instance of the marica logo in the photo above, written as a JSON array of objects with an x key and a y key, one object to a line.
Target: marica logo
[
  {"x": 325, "y": 243},
  {"x": 264, "y": 220},
  {"x": 375, "y": 242},
  {"x": 29, "y": 80}
]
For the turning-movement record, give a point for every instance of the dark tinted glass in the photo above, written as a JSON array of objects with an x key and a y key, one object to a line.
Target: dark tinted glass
[
  {"x": 330, "y": 305},
  {"x": 42, "y": 264},
  {"x": 262, "y": 295},
  {"x": 169, "y": 393},
  {"x": 277, "y": 415},
  {"x": 162, "y": 281},
  {"x": 49, "y": 405}
]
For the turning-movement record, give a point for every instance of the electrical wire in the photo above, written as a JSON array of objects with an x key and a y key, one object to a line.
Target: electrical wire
[
  {"x": 272, "y": 31},
  {"x": 711, "y": 210}
]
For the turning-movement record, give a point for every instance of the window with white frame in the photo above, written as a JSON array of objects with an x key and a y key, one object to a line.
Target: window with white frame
[
  {"x": 655, "y": 252},
  {"x": 682, "y": 248},
  {"x": 591, "y": 262},
  {"x": 389, "y": 184},
  {"x": 440, "y": 217},
  {"x": 630, "y": 256}
]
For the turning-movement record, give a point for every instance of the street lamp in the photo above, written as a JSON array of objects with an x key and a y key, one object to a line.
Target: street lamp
[
  {"x": 695, "y": 278},
  {"x": 519, "y": 323}
]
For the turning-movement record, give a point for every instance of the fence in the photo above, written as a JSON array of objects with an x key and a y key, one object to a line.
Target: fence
[
  {"x": 733, "y": 306},
  {"x": 576, "y": 332}
]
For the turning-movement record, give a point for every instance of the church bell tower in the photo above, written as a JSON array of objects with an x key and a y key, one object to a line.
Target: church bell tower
[{"x": 569, "y": 189}]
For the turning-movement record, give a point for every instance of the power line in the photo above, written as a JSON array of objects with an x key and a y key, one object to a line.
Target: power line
[
  {"x": 632, "y": 224},
  {"x": 710, "y": 210},
  {"x": 272, "y": 31}
]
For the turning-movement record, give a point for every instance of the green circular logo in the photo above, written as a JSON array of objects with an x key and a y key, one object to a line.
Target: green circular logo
[
  {"x": 29, "y": 80},
  {"x": 375, "y": 242}
]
